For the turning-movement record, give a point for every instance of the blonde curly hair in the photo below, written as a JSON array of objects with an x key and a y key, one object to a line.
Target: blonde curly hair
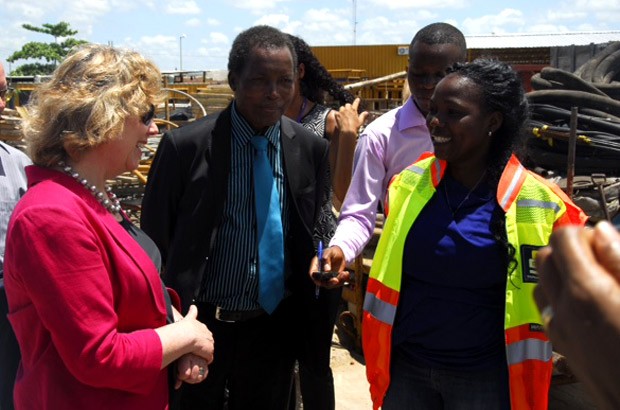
[{"x": 87, "y": 100}]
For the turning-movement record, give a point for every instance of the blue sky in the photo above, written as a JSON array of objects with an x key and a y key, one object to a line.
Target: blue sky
[{"x": 154, "y": 27}]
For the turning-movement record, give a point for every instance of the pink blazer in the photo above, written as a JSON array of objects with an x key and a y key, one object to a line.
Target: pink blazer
[{"x": 84, "y": 299}]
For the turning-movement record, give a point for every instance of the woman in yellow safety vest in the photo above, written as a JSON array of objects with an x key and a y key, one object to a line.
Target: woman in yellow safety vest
[{"x": 449, "y": 320}]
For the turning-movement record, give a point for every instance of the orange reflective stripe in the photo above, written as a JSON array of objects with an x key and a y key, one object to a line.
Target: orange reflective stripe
[
  {"x": 529, "y": 385},
  {"x": 379, "y": 312},
  {"x": 381, "y": 291},
  {"x": 376, "y": 338},
  {"x": 426, "y": 154},
  {"x": 381, "y": 301},
  {"x": 523, "y": 332},
  {"x": 529, "y": 365},
  {"x": 510, "y": 183},
  {"x": 438, "y": 167}
]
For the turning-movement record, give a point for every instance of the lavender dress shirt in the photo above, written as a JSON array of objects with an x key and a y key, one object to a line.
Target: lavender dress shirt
[{"x": 387, "y": 146}]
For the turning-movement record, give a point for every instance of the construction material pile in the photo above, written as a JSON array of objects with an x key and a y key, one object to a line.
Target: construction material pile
[{"x": 594, "y": 88}]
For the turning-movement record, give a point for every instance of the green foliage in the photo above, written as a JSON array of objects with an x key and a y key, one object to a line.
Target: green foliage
[{"x": 52, "y": 53}]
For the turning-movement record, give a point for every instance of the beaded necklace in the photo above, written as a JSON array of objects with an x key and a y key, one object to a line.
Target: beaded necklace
[{"x": 107, "y": 199}]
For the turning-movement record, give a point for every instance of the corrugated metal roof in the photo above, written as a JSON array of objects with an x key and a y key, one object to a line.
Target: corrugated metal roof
[{"x": 526, "y": 40}]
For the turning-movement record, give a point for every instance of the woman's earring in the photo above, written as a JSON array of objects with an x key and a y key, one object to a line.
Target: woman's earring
[{"x": 490, "y": 133}]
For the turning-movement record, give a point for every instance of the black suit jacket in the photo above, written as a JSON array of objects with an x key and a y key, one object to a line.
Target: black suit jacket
[{"x": 187, "y": 188}]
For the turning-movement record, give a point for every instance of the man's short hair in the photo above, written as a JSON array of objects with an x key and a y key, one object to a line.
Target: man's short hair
[
  {"x": 265, "y": 37},
  {"x": 440, "y": 33}
]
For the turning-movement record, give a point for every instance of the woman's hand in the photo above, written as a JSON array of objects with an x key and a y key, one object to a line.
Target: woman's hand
[
  {"x": 203, "y": 345},
  {"x": 191, "y": 369},
  {"x": 187, "y": 335}
]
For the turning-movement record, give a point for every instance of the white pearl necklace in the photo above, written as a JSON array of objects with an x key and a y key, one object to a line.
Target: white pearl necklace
[{"x": 107, "y": 199}]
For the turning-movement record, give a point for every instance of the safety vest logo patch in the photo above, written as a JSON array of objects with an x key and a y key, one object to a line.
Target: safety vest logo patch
[{"x": 528, "y": 262}]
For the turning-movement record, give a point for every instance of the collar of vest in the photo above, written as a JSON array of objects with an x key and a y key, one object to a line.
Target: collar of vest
[{"x": 510, "y": 183}]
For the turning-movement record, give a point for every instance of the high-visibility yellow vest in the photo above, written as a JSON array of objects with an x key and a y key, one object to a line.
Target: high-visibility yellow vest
[{"x": 533, "y": 209}]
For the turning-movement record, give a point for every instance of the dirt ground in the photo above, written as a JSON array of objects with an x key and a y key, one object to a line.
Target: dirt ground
[
  {"x": 352, "y": 391},
  {"x": 349, "y": 372}
]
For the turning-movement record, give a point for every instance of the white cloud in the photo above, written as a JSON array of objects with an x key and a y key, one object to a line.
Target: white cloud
[
  {"x": 213, "y": 22},
  {"x": 546, "y": 28},
  {"x": 182, "y": 7},
  {"x": 595, "y": 5},
  {"x": 419, "y": 4},
  {"x": 275, "y": 20},
  {"x": 218, "y": 38},
  {"x": 584, "y": 15},
  {"x": 281, "y": 21},
  {"x": 507, "y": 21},
  {"x": 391, "y": 31},
  {"x": 324, "y": 26},
  {"x": 193, "y": 22},
  {"x": 565, "y": 15},
  {"x": 256, "y": 6},
  {"x": 23, "y": 10}
]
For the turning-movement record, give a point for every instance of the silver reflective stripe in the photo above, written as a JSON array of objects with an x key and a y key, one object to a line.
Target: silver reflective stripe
[
  {"x": 529, "y": 349},
  {"x": 512, "y": 187},
  {"x": 534, "y": 203},
  {"x": 416, "y": 169},
  {"x": 381, "y": 310},
  {"x": 438, "y": 167}
]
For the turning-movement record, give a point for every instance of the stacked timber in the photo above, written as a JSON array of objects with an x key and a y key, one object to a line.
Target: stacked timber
[{"x": 10, "y": 126}]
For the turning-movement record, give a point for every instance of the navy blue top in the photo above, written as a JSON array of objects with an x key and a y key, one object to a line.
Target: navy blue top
[{"x": 451, "y": 309}]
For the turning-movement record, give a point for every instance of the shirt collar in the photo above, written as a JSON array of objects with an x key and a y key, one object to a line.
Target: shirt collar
[
  {"x": 410, "y": 116},
  {"x": 243, "y": 132}
]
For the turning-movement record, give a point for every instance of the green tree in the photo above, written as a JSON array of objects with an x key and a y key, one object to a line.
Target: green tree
[{"x": 52, "y": 53}]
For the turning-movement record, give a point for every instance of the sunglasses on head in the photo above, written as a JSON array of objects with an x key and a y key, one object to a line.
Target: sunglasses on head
[{"x": 148, "y": 117}]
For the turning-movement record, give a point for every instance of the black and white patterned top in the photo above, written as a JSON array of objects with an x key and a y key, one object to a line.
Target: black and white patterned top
[{"x": 316, "y": 121}]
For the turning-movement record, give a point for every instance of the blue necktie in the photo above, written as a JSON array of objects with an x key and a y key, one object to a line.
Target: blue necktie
[{"x": 268, "y": 229}]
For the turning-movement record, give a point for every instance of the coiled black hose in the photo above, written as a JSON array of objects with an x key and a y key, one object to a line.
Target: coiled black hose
[{"x": 593, "y": 89}]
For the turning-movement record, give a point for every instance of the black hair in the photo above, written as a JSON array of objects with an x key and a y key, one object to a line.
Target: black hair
[
  {"x": 501, "y": 91},
  {"x": 441, "y": 33},
  {"x": 266, "y": 37},
  {"x": 316, "y": 78}
]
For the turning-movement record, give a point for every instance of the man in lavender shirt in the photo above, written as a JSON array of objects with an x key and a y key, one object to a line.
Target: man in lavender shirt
[{"x": 390, "y": 144}]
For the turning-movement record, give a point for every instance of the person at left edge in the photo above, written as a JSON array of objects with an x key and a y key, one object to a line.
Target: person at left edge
[
  {"x": 12, "y": 187},
  {"x": 85, "y": 298},
  {"x": 199, "y": 209}
]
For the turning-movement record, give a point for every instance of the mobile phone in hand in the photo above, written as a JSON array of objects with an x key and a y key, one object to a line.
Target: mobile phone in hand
[{"x": 324, "y": 276}]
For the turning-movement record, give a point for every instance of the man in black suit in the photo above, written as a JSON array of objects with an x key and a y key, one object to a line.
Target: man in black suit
[{"x": 199, "y": 209}]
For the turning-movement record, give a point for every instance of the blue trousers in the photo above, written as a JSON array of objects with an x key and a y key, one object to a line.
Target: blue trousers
[{"x": 423, "y": 388}]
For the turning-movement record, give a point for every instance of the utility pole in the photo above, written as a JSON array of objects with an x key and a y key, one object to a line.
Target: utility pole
[
  {"x": 181, "y": 37},
  {"x": 354, "y": 21}
]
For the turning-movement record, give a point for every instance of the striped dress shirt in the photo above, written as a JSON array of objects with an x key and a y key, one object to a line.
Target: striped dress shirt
[
  {"x": 12, "y": 187},
  {"x": 231, "y": 273}
]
